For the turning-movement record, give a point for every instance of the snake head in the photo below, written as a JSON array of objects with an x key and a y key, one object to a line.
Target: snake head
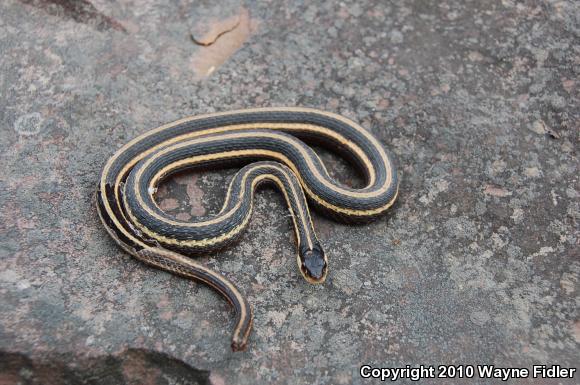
[
  {"x": 239, "y": 346},
  {"x": 313, "y": 263}
]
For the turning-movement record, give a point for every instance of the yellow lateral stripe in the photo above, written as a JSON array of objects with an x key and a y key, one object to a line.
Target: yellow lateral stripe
[
  {"x": 208, "y": 242},
  {"x": 154, "y": 131},
  {"x": 136, "y": 233},
  {"x": 257, "y": 126},
  {"x": 304, "y": 127},
  {"x": 178, "y": 258},
  {"x": 313, "y": 169}
]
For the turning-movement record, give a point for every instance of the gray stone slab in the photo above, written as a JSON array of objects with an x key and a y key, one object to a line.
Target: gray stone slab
[{"x": 477, "y": 262}]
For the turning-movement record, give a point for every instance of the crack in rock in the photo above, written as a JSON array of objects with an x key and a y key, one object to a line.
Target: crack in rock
[
  {"x": 131, "y": 366},
  {"x": 81, "y": 11},
  {"x": 220, "y": 39},
  {"x": 212, "y": 36}
]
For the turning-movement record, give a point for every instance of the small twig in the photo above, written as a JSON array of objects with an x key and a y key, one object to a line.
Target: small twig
[{"x": 206, "y": 44}]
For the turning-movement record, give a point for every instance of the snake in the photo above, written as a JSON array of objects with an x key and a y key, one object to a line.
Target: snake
[{"x": 271, "y": 146}]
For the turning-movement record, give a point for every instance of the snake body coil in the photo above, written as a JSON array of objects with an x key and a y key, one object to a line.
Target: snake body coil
[{"x": 274, "y": 140}]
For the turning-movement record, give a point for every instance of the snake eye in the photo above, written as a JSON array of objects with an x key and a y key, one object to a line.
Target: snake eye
[{"x": 313, "y": 264}]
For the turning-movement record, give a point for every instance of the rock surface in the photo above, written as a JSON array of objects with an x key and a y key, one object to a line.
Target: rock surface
[{"x": 477, "y": 263}]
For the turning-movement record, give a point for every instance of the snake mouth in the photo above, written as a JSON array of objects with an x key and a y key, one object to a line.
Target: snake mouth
[
  {"x": 313, "y": 264},
  {"x": 239, "y": 346}
]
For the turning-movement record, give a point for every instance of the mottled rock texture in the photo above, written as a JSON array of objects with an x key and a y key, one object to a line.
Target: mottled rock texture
[{"x": 477, "y": 263}]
